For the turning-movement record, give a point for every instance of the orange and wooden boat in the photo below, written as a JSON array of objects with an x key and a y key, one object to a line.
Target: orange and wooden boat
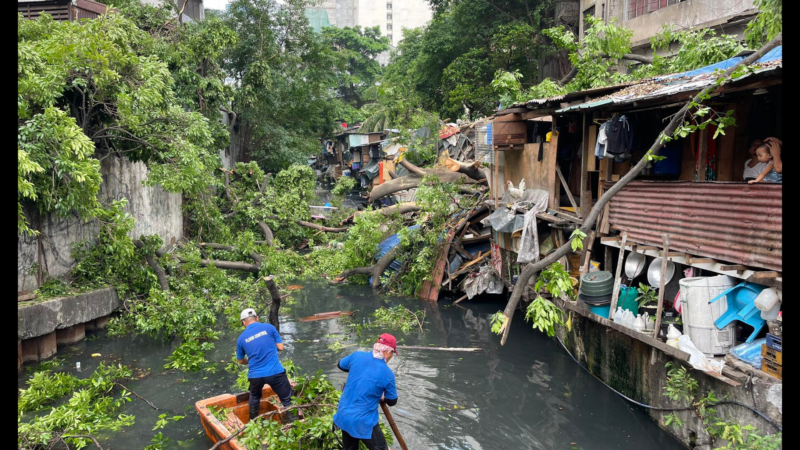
[{"x": 237, "y": 415}]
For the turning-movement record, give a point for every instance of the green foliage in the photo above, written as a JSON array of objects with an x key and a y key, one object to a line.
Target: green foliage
[
  {"x": 163, "y": 420},
  {"x": 189, "y": 356},
  {"x": 681, "y": 386},
  {"x": 498, "y": 319},
  {"x": 555, "y": 280},
  {"x": 343, "y": 186},
  {"x": 398, "y": 317},
  {"x": 90, "y": 409},
  {"x": 576, "y": 240},
  {"x": 355, "y": 51},
  {"x": 647, "y": 295},
  {"x": 767, "y": 24},
  {"x": 420, "y": 246},
  {"x": 25, "y": 189},
  {"x": 545, "y": 315}
]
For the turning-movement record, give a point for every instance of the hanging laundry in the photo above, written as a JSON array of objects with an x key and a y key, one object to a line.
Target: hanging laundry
[
  {"x": 600, "y": 146},
  {"x": 619, "y": 138}
]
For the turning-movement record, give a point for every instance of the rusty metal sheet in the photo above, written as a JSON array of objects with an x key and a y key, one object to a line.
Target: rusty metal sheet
[{"x": 733, "y": 222}]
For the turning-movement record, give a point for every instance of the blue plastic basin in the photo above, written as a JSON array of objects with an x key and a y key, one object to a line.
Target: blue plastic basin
[{"x": 601, "y": 310}]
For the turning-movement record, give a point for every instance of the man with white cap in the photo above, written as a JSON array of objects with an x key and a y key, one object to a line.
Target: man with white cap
[
  {"x": 369, "y": 381},
  {"x": 258, "y": 347}
]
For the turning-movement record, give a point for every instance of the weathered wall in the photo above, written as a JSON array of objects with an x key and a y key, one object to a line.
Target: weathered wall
[
  {"x": 624, "y": 364},
  {"x": 39, "y": 319},
  {"x": 155, "y": 212}
]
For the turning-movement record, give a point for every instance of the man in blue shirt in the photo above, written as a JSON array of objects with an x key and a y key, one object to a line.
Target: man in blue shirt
[
  {"x": 368, "y": 382},
  {"x": 258, "y": 347}
]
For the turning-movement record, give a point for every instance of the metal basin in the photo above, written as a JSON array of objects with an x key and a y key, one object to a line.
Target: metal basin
[
  {"x": 654, "y": 273},
  {"x": 634, "y": 265}
]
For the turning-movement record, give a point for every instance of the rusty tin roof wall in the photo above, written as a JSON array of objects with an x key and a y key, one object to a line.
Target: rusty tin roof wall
[{"x": 733, "y": 222}]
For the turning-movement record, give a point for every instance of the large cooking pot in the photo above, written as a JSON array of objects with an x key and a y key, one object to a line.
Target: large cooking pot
[
  {"x": 634, "y": 265},
  {"x": 654, "y": 273}
]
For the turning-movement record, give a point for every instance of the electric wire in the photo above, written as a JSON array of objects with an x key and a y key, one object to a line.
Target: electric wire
[{"x": 657, "y": 408}]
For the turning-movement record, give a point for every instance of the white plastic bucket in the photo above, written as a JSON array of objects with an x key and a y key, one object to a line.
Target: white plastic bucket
[{"x": 698, "y": 316}]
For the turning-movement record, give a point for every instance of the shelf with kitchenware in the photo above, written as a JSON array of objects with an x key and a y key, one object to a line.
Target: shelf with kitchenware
[{"x": 765, "y": 277}]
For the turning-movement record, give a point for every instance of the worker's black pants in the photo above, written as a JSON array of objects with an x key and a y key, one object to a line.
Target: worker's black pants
[
  {"x": 279, "y": 383},
  {"x": 377, "y": 442}
]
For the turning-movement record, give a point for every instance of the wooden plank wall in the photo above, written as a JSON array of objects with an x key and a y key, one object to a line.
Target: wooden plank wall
[{"x": 538, "y": 175}]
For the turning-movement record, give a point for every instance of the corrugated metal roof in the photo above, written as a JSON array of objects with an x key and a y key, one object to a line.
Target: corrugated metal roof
[
  {"x": 577, "y": 94},
  {"x": 733, "y": 222}
]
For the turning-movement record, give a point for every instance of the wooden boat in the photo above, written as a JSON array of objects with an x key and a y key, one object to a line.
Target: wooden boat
[{"x": 237, "y": 416}]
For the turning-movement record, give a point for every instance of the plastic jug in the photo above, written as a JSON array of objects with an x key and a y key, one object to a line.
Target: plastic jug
[
  {"x": 618, "y": 315},
  {"x": 638, "y": 324},
  {"x": 769, "y": 302},
  {"x": 672, "y": 336}
]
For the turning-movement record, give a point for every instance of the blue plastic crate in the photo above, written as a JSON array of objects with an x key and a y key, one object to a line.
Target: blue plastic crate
[{"x": 774, "y": 342}]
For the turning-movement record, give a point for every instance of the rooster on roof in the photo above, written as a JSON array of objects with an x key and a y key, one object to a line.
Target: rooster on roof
[{"x": 516, "y": 193}]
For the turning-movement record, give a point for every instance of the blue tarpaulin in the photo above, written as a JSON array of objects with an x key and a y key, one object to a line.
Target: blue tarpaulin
[
  {"x": 775, "y": 53},
  {"x": 388, "y": 244}
]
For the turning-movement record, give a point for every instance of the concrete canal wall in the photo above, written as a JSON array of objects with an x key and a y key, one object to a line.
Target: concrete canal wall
[
  {"x": 155, "y": 211},
  {"x": 624, "y": 363},
  {"x": 43, "y": 326}
]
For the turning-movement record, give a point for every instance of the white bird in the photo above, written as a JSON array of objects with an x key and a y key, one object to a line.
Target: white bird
[{"x": 516, "y": 193}]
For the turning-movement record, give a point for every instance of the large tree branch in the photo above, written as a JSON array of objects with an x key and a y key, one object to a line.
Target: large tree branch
[
  {"x": 533, "y": 268},
  {"x": 160, "y": 274},
  {"x": 229, "y": 248},
  {"x": 375, "y": 270}
]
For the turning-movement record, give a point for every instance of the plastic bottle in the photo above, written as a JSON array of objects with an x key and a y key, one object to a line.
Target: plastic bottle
[
  {"x": 78, "y": 366},
  {"x": 618, "y": 315},
  {"x": 638, "y": 324}
]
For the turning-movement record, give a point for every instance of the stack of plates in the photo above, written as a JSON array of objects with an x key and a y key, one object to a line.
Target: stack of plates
[{"x": 596, "y": 288}]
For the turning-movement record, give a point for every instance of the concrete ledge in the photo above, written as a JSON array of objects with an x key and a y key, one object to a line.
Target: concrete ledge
[{"x": 43, "y": 318}]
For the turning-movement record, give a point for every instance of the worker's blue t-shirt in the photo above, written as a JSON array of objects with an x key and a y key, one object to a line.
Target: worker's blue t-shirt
[
  {"x": 257, "y": 342},
  {"x": 368, "y": 380}
]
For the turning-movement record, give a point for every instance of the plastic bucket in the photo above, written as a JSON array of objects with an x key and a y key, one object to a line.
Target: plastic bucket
[
  {"x": 698, "y": 316},
  {"x": 600, "y": 310},
  {"x": 627, "y": 299}
]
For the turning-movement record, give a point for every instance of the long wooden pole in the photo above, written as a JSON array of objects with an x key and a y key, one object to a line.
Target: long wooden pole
[
  {"x": 390, "y": 419},
  {"x": 617, "y": 280},
  {"x": 665, "y": 238}
]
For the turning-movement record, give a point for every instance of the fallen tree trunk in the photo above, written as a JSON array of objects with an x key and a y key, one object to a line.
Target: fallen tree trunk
[
  {"x": 533, "y": 268},
  {"x": 413, "y": 180},
  {"x": 375, "y": 270},
  {"x": 400, "y": 208},
  {"x": 472, "y": 170}
]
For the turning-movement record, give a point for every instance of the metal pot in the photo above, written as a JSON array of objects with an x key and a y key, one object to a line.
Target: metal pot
[
  {"x": 634, "y": 265},
  {"x": 654, "y": 272}
]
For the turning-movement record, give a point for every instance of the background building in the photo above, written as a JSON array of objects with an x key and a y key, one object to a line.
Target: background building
[{"x": 390, "y": 15}]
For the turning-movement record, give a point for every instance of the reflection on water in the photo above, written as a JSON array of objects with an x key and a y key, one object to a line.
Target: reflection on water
[{"x": 528, "y": 394}]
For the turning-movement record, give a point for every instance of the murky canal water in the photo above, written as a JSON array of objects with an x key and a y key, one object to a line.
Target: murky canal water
[{"x": 528, "y": 394}]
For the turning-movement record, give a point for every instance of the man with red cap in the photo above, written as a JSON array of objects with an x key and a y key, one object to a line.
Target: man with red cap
[{"x": 369, "y": 380}]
